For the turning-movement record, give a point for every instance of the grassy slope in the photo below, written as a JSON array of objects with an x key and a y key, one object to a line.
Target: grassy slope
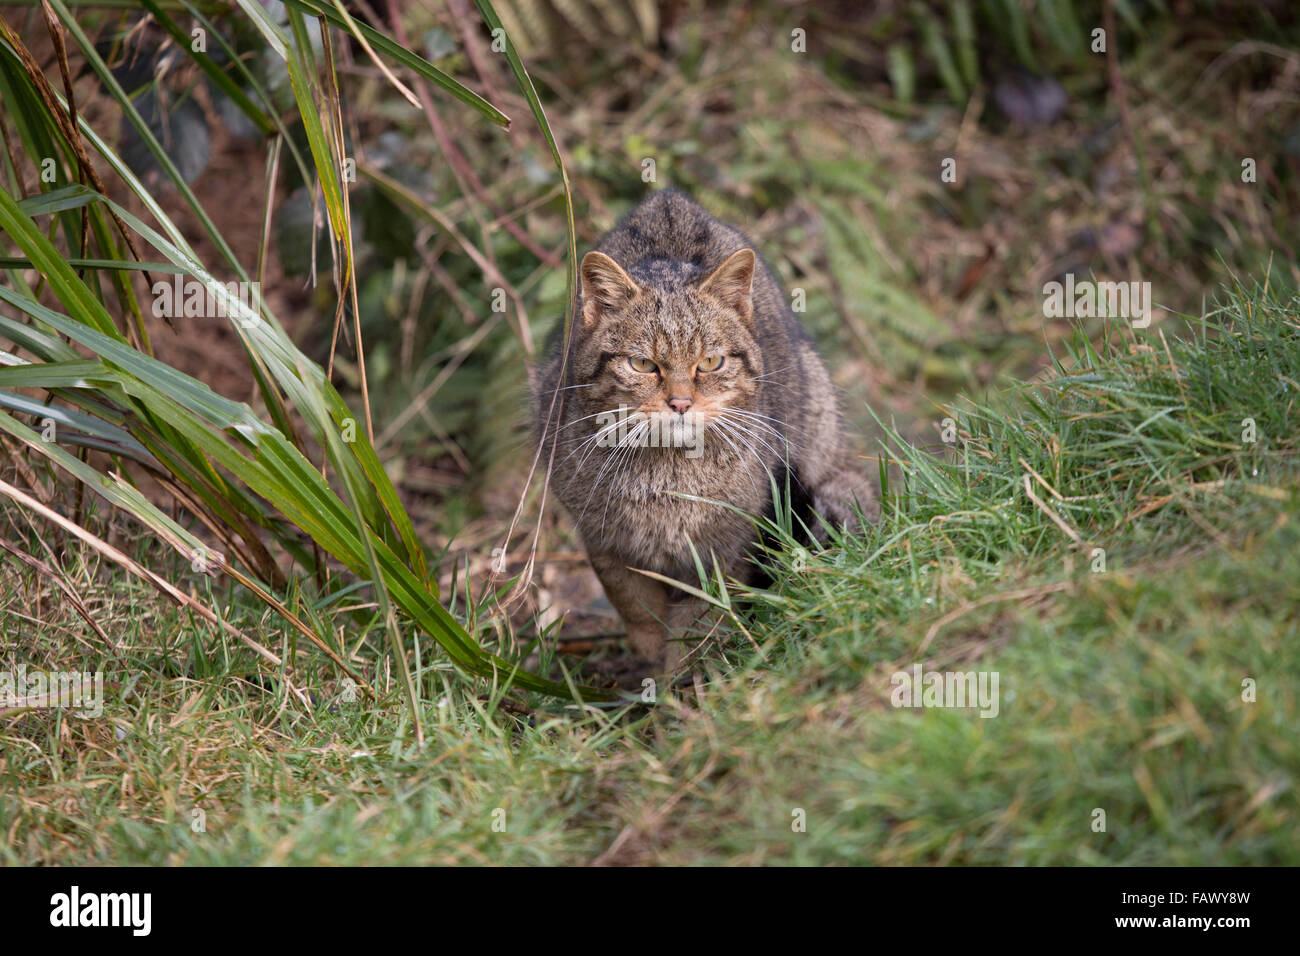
[{"x": 1121, "y": 690}]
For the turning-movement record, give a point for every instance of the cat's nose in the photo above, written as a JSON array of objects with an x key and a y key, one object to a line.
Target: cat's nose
[{"x": 679, "y": 405}]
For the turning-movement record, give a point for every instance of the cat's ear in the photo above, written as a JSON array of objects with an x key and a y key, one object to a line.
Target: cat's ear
[
  {"x": 605, "y": 288},
  {"x": 731, "y": 282}
]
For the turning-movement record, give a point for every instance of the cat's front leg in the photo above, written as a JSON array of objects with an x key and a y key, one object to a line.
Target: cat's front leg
[
  {"x": 660, "y": 621},
  {"x": 641, "y": 602}
]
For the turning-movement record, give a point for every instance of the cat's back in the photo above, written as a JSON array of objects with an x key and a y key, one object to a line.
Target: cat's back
[{"x": 670, "y": 225}]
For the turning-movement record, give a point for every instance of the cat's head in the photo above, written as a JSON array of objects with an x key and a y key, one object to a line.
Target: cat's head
[{"x": 677, "y": 347}]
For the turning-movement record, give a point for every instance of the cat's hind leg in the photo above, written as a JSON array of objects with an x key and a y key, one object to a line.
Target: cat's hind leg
[{"x": 840, "y": 494}]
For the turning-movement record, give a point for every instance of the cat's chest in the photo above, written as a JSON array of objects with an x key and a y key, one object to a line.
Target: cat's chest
[
  {"x": 652, "y": 515},
  {"x": 666, "y": 482}
]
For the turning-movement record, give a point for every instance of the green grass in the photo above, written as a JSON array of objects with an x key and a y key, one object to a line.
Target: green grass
[{"x": 1121, "y": 690}]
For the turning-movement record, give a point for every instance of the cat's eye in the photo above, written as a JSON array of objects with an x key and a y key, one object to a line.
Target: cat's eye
[
  {"x": 640, "y": 364},
  {"x": 710, "y": 363}
]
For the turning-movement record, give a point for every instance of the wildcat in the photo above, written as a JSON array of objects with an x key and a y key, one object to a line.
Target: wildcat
[{"x": 689, "y": 387}]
